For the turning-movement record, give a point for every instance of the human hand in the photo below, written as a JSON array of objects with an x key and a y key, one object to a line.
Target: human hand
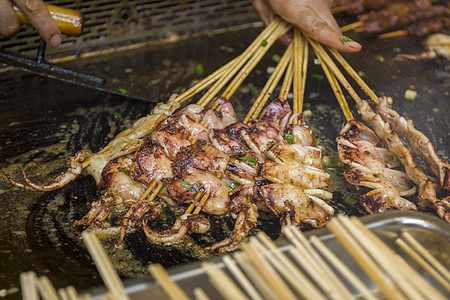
[
  {"x": 313, "y": 17},
  {"x": 36, "y": 13}
]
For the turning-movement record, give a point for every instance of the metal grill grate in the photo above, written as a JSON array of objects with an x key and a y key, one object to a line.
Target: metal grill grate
[{"x": 112, "y": 22}]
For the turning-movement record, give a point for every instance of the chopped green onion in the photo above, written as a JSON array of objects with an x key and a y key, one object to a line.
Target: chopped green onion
[
  {"x": 151, "y": 111},
  {"x": 199, "y": 68},
  {"x": 318, "y": 141},
  {"x": 350, "y": 200},
  {"x": 126, "y": 171},
  {"x": 124, "y": 91},
  {"x": 276, "y": 58},
  {"x": 117, "y": 114},
  {"x": 226, "y": 49},
  {"x": 379, "y": 58},
  {"x": 233, "y": 185},
  {"x": 236, "y": 30},
  {"x": 250, "y": 159},
  {"x": 317, "y": 76},
  {"x": 350, "y": 132},
  {"x": 264, "y": 43},
  {"x": 209, "y": 34},
  {"x": 345, "y": 39},
  {"x": 159, "y": 103},
  {"x": 361, "y": 73},
  {"x": 289, "y": 138},
  {"x": 185, "y": 185}
]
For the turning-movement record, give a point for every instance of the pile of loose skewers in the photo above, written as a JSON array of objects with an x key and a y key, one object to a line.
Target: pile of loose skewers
[
  {"x": 202, "y": 160},
  {"x": 304, "y": 268}
]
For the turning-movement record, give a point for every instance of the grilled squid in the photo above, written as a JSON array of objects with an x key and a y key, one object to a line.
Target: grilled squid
[
  {"x": 186, "y": 222},
  {"x": 372, "y": 166}
]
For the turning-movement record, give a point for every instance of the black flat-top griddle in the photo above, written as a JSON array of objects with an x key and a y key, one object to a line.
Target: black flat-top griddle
[{"x": 44, "y": 121}]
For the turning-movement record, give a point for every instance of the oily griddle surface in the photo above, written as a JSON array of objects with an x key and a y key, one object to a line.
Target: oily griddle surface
[{"x": 43, "y": 121}]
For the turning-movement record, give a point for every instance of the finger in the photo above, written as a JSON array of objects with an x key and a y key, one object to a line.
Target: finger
[
  {"x": 40, "y": 18},
  {"x": 318, "y": 25},
  {"x": 9, "y": 25},
  {"x": 267, "y": 15},
  {"x": 319, "y": 30},
  {"x": 264, "y": 11}
]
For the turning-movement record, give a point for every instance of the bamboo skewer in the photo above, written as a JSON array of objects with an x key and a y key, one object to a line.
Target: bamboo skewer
[
  {"x": 407, "y": 279},
  {"x": 72, "y": 293},
  {"x": 294, "y": 65},
  {"x": 220, "y": 280},
  {"x": 240, "y": 276},
  {"x": 276, "y": 28},
  {"x": 206, "y": 81},
  {"x": 192, "y": 206},
  {"x": 253, "y": 61},
  {"x": 343, "y": 8},
  {"x": 384, "y": 258},
  {"x": 304, "y": 71},
  {"x": 297, "y": 279},
  {"x": 104, "y": 266},
  {"x": 424, "y": 252},
  {"x": 268, "y": 273},
  {"x": 393, "y": 34},
  {"x": 351, "y": 26},
  {"x": 364, "y": 260},
  {"x": 46, "y": 288},
  {"x": 200, "y": 294},
  {"x": 418, "y": 259},
  {"x": 270, "y": 85},
  {"x": 354, "y": 75},
  {"x": 287, "y": 82},
  {"x": 63, "y": 295},
  {"x": 337, "y": 92},
  {"x": 275, "y": 264},
  {"x": 342, "y": 268},
  {"x": 325, "y": 58},
  {"x": 316, "y": 267},
  {"x": 202, "y": 202},
  {"x": 298, "y": 70},
  {"x": 169, "y": 286},
  {"x": 28, "y": 286},
  {"x": 150, "y": 187},
  {"x": 253, "y": 274}
]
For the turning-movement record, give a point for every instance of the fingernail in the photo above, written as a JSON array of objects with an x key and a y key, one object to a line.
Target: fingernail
[
  {"x": 55, "y": 40},
  {"x": 353, "y": 44}
]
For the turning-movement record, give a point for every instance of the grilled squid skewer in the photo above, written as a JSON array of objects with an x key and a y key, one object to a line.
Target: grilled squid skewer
[
  {"x": 124, "y": 143},
  {"x": 427, "y": 186}
]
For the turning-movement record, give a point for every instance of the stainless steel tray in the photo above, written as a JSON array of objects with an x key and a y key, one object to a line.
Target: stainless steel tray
[{"x": 432, "y": 232}]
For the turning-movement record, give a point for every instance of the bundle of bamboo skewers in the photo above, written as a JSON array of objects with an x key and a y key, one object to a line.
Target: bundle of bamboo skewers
[
  {"x": 304, "y": 269},
  {"x": 261, "y": 270}
]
